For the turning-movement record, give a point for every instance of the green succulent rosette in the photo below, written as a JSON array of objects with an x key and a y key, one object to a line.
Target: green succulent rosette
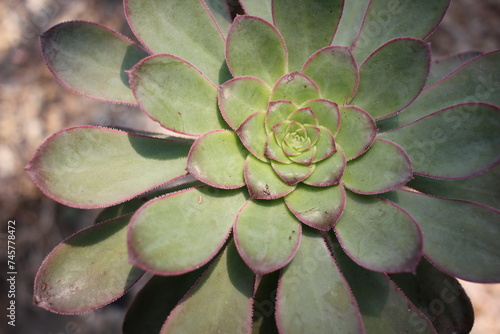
[{"x": 320, "y": 172}]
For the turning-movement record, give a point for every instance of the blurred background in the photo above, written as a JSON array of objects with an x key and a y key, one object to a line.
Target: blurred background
[{"x": 33, "y": 106}]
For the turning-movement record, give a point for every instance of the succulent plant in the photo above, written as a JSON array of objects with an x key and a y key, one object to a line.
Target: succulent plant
[{"x": 318, "y": 173}]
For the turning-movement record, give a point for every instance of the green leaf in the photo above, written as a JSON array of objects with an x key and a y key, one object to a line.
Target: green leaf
[
  {"x": 457, "y": 142},
  {"x": 179, "y": 232},
  {"x": 259, "y": 8},
  {"x": 460, "y": 238},
  {"x": 386, "y": 20},
  {"x": 267, "y": 235},
  {"x": 252, "y": 134},
  {"x": 384, "y": 167},
  {"x": 357, "y": 131},
  {"x": 379, "y": 235},
  {"x": 277, "y": 112},
  {"x": 392, "y": 77},
  {"x": 275, "y": 152},
  {"x": 255, "y": 48},
  {"x": 91, "y": 60},
  {"x": 304, "y": 116},
  {"x": 327, "y": 113},
  {"x": 262, "y": 181},
  {"x": 176, "y": 94},
  {"x": 317, "y": 207},
  {"x": 439, "y": 296},
  {"x": 241, "y": 97},
  {"x": 292, "y": 173},
  {"x": 306, "y": 26},
  {"x": 351, "y": 21},
  {"x": 313, "y": 296},
  {"x": 217, "y": 158},
  {"x": 78, "y": 166},
  {"x": 441, "y": 68},
  {"x": 155, "y": 301},
  {"x": 384, "y": 307},
  {"x": 335, "y": 72},
  {"x": 87, "y": 271},
  {"x": 483, "y": 188},
  {"x": 475, "y": 81},
  {"x": 295, "y": 87},
  {"x": 188, "y": 31},
  {"x": 329, "y": 171},
  {"x": 220, "y": 11},
  {"x": 325, "y": 145},
  {"x": 222, "y": 300}
]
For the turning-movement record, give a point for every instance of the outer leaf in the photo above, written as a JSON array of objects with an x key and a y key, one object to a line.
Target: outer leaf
[
  {"x": 457, "y": 142},
  {"x": 255, "y": 48},
  {"x": 252, "y": 134},
  {"x": 475, "y": 81},
  {"x": 155, "y": 301},
  {"x": 241, "y": 97},
  {"x": 267, "y": 235},
  {"x": 313, "y": 296},
  {"x": 351, "y": 22},
  {"x": 78, "y": 166},
  {"x": 86, "y": 271},
  {"x": 176, "y": 94},
  {"x": 296, "y": 88},
  {"x": 217, "y": 158},
  {"x": 441, "y": 68},
  {"x": 391, "y": 19},
  {"x": 180, "y": 232},
  {"x": 379, "y": 235},
  {"x": 260, "y": 8},
  {"x": 384, "y": 307},
  {"x": 222, "y": 299},
  {"x": 220, "y": 11},
  {"x": 306, "y": 26},
  {"x": 329, "y": 171},
  {"x": 190, "y": 33},
  {"x": 389, "y": 83},
  {"x": 460, "y": 237},
  {"x": 357, "y": 131},
  {"x": 91, "y": 60},
  {"x": 317, "y": 207},
  {"x": 384, "y": 167},
  {"x": 262, "y": 181},
  {"x": 439, "y": 296},
  {"x": 483, "y": 188},
  {"x": 335, "y": 72}
]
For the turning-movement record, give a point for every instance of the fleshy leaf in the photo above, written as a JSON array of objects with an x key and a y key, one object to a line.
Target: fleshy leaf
[
  {"x": 386, "y": 20},
  {"x": 292, "y": 173},
  {"x": 274, "y": 151},
  {"x": 388, "y": 83},
  {"x": 189, "y": 32},
  {"x": 278, "y": 111},
  {"x": 241, "y": 97},
  {"x": 217, "y": 158},
  {"x": 317, "y": 207},
  {"x": 483, "y": 188},
  {"x": 252, "y": 134},
  {"x": 155, "y": 301},
  {"x": 384, "y": 307},
  {"x": 306, "y": 26},
  {"x": 379, "y": 235},
  {"x": 262, "y": 181},
  {"x": 304, "y": 116},
  {"x": 329, "y": 171},
  {"x": 327, "y": 113},
  {"x": 441, "y": 68},
  {"x": 267, "y": 235},
  {"x": 91, "y": 60},
  {"x": 259, "y": 8},
  {"x": 325, "y": 146},
  {"x": 357, "y": 131},
  {"x": 86, "y": 271},
  {"x": 176, "y": 94},
  {"x": 222, "y": 299},
  {"x": 78, "y": 166},
  {"x": 180, "y": 232},
  {"x": 384, "y": 167},
  {"x": 296, "y": 88},
  {"x": 460, "y": 238},
  {"x": 220, "y": 11},
  {"x": 255, "y": 48},
  {"x": 305, "y": 158},
  {"x": 439, "y": 296},
  {"x": 457, "y": 142},
  {"x": 335, "y": 72},
  {"x": 475, "y": 81},
  {"x": 352, "y": 18},
  {"x": 313, "y": 296}
]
